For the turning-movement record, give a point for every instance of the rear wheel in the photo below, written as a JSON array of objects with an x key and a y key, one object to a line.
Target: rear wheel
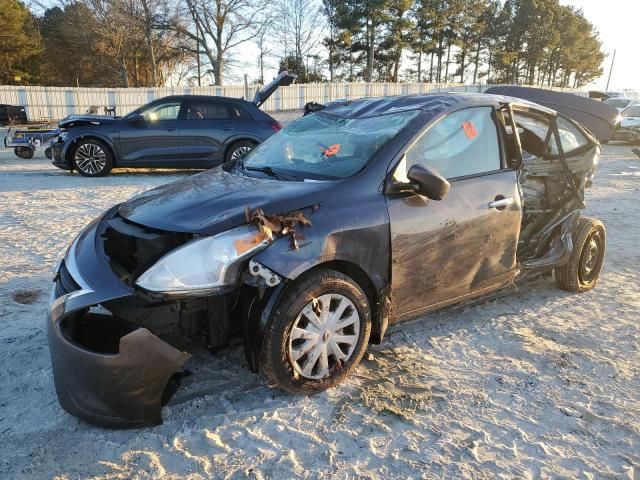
[
  {"x": 317, "y": 334},
  {"x": 92, "y": 158},
  {"x": 584, "y": 267},
  {"x": 238, "y": 150}
]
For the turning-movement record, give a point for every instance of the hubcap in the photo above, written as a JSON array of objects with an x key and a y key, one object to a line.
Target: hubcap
[
  {"x": 90, "y": 158},
  {"x": 324, "y": 336},
  {"x": 240, "y": 152}
]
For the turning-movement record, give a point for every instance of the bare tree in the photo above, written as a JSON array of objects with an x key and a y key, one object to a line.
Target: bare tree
[
  {"x": 299, "y": 27},
  {"x": 263, "y": 38},
  {"x": 218, "y": 26}
]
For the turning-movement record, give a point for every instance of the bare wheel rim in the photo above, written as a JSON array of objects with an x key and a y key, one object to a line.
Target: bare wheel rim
[
  {"x": 90, "y": 158},
  {"x": 324, "y": 336},
  {"x": 591, "y": 258},
  {"x": 240, "y": 152}
]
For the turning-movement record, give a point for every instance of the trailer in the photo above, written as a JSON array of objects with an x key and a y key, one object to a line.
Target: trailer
[{"x": 26, "y": 139}]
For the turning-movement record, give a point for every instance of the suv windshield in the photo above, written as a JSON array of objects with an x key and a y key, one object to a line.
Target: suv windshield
[
  {"x": 323, "y": 146},
  {"x": 632, "y": 111},
  {"x": 617, "y": 102}
]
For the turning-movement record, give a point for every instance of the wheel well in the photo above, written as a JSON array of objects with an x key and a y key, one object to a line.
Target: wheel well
[
  {"x": 358, "y": 275},
  {"x": 91, "y": 137},
  {"x": 238, "y": 140}
]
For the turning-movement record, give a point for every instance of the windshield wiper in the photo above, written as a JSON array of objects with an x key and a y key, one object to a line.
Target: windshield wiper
[{"x": 272, "y": 173}]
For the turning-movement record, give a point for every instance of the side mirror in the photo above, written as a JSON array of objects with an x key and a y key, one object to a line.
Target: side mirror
[
  {"x": 137, "y": 119},
  {"x": 428, "y": 182}
]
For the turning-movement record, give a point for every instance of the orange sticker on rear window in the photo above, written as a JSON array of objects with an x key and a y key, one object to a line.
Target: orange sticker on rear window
[
  {"x": 331, "y": 150},
  {"x": 470, "y": 130}
]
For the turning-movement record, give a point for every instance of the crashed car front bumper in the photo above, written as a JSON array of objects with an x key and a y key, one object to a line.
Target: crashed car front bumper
[
  {"x": 108, "y": 374},
  {"x": 58, "y": 156}
]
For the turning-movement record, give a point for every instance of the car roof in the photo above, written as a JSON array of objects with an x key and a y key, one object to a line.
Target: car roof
[
  {"x": 431, "y": 103},
  {"x": 204, "y": 97}
]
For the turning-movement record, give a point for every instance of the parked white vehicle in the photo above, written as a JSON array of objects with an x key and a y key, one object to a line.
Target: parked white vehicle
[{"x": 628, "y": 128}]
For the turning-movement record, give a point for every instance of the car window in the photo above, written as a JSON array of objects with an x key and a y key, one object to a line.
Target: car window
[
  {"x": 162, "y": 111},
  {"x": 533, "y": 131},
  {"x": 570, "y": 137},
  {"x": 462, "y": 143},
  {"x": 207, "y": 111},
  {"x": 237, "y": 112}
]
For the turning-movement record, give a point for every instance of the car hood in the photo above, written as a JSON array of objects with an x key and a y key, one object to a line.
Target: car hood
[
  {"x": 216, "y": 200},
  {"x": 76, "y": 120}
]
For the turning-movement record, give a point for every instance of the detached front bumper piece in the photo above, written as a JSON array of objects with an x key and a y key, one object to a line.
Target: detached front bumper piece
[{"x": 106, "y": 372}]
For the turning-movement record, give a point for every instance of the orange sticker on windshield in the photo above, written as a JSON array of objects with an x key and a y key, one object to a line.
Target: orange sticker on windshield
[
  {"x": 331, "y": 150},
  {"x": 470, "y": 130}
]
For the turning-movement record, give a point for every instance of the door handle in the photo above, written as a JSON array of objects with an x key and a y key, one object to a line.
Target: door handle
[
  {"x": 171, "y": 129},
  {"x": 500, "y": 202},
  {"x": 226, "y": 129}
]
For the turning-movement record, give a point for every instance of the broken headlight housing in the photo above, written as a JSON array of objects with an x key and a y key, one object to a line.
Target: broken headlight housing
[{"x": 204, "y": 265}]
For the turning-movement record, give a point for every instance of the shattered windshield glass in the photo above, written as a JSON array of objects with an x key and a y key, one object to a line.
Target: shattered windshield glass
[{"x": 323, "y": 146}]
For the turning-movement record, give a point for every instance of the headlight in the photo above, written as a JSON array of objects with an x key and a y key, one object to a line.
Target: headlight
[
  {"x": 205, "y": 264},
  {"x": 62, "y": 136}
]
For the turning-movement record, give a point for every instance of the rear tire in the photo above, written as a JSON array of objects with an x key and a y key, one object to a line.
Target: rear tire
[
  {"x": 92, "y": 158},
  {"x": 583, "y": 270},
  {"x": 238, "y": 150},
  {"x": 333, "y": 341}
]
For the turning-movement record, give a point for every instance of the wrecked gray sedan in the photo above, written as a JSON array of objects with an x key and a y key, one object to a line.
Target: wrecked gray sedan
[{"x": 363, "y": 214}]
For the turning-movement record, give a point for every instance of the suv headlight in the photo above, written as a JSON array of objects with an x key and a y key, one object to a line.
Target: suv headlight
[
  {"x": 62, "y": 136},
  {"x": 203, "y": 265}
]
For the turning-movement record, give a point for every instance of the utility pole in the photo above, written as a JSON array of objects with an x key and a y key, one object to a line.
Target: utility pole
[
  {"x": 198, "y": 51},
  {"x": 613, "y": 60}
]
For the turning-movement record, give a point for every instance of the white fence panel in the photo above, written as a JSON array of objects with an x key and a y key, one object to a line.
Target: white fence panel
[{"x": 54, "y": 103}]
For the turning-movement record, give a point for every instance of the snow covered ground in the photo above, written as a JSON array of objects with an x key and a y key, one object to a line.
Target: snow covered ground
[{"x": 538, "y": 384}]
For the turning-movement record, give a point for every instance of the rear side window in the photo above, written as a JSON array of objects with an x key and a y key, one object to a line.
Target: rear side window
[
  {"x": 238, "y": 112},
  {"x": 462, "y": 143},
  {"x": 207, "y": 111},
  {"x": 534, "y": 132},
  {"x": 570, "y": 137}
]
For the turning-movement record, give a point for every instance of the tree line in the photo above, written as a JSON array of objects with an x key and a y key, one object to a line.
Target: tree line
[{"x": 159, "y": 42}]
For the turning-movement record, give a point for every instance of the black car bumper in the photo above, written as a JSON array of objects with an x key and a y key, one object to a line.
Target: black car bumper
[
  {"x": 58, "y": 155},
  {"x": 105, "y": 372}
]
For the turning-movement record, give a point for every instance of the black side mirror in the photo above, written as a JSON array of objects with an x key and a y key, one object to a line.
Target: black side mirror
[
  {"x": 428, "y": 182},
  {"x": 137, "y": 119}
]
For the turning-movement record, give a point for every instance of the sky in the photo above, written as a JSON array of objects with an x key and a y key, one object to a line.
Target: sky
[{"x": 618, "y": 22}]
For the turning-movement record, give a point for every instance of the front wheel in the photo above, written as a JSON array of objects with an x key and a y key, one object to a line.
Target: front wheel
[
  {"x": 317, "y": 334},
  {"x": 584, "y": 267},
  {"x": 92, "y": 158}
]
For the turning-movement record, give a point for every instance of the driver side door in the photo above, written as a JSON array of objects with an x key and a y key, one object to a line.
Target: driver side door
[
  {"x": 464, "y": 245},
  {"x": 153, "y": 142}
]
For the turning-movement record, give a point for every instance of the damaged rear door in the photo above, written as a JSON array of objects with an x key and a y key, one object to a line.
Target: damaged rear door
[{"x": 464, "y": 245}]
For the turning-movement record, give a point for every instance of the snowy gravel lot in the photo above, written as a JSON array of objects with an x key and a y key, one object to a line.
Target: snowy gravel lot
[{"x": 538, "y": 384}]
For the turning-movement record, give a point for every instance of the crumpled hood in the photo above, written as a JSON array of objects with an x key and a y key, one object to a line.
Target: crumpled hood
[
  {"x": 215, "y": 200},
  {"x": 75, "y": 120}
]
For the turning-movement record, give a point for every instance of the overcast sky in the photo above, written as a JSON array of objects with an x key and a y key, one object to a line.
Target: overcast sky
[{"x": 618, "y": 22}]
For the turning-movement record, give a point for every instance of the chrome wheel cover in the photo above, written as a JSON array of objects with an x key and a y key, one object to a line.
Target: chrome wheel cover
[
  {"x": 240, "y": 152},
  {"x": 324, "y": 336},
  {"x": 90, "y": 158}
]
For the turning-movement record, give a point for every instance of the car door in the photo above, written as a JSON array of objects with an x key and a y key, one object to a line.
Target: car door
[
  {"x": 151, "y": 138},
  {"x": 206, "y": 127},
  {"x": 464, "y": 245}
]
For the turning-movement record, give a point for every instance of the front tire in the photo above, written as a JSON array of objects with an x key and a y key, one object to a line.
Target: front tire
[
  {"x": 317, "y": 334},
  {"x": 583, "y": 270},
  {"x": 92, "y": 158}
]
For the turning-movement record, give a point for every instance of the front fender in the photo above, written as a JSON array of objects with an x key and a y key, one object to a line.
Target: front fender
[{"x": 80, "y": 134}]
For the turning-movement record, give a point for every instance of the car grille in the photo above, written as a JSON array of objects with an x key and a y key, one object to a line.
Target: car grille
[
  {"x": 65, "y": 282},
  {"x": 133, "y": 248}
]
